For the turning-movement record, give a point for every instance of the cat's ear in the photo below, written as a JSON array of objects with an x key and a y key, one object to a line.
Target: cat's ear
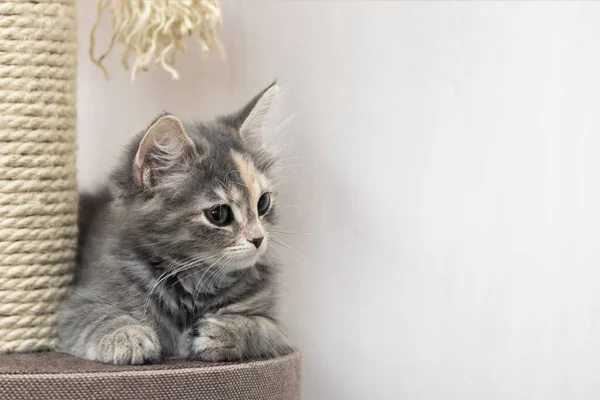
[
  {"x": 165, "y": 153},
  {"x": 250, "y": 119}
]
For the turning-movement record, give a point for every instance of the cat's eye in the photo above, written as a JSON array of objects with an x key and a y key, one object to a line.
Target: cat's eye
[
  {"x": 220, "y": 215},
  {"x": 264, "y": 203}
]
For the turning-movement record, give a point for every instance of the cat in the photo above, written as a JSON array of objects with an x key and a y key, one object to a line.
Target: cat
[{"x": 172, "y": 253}]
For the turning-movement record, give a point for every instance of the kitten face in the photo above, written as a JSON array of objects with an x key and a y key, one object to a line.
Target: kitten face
[
  {"x": 237, "y": 208},
  {"x": 201, "y": 194}
]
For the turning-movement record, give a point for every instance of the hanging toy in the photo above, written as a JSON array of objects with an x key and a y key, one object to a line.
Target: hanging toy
[{"x": 153, "y": 31}]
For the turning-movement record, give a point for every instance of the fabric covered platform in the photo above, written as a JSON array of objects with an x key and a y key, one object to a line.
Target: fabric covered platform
[{"x": 58, "y": 376}]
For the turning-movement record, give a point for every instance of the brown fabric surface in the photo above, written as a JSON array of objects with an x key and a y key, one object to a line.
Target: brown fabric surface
[{"x": 59, "y": 376}]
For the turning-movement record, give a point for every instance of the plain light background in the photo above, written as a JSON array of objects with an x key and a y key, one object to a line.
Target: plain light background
[{"x": 440, "y": 173}]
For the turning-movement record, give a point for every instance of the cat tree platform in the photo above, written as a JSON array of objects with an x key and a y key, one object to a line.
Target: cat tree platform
[{"x": 58, "y": 376}]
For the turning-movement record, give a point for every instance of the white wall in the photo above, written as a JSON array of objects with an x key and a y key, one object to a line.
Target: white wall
[{"x": 443, "y": 161}]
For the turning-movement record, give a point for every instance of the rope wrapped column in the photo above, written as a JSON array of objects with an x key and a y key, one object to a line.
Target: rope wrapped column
[{"x": 38, "y": 187}]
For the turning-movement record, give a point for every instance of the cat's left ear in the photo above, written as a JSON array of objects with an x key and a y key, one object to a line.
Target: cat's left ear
[
  {"x": 165, "y": 153},
  {"x": 249, "y": 121}
]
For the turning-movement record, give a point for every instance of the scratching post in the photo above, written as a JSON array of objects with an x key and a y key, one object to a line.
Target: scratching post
[
  {"x": 38, "y": 212},
  {"x": 38, "y": 189}
]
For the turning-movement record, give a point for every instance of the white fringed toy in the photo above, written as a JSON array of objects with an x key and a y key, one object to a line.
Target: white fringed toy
[{"x": 153, "y": 31}]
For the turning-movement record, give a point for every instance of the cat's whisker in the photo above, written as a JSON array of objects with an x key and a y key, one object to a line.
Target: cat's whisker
[
  {"x": 207, "y": 285},
  {"x": 282, "y": 245},
  {"x": 192, "y": 266},
  {"x": 279, "y": 240},
  {"x": 198, "y": 258},
  {"x": 288, "y": 255},
  {"x": 218, "y": 271},
  {"x": 275, "y": 230},
  {"x": 185, "y": 264},
  {"x": 201, "y": 280},
  {"x": 204, "y": 272},
  {"x": 169, "y": 271}
]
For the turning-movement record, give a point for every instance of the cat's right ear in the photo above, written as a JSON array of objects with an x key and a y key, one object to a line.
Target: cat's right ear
[{"x": 165, "y": 153}]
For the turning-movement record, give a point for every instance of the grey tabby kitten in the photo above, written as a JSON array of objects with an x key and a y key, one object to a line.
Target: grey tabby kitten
[{"x": 172, "y": 252}]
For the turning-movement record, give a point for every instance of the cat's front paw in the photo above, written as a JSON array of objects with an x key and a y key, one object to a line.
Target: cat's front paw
[
  {"x": 218, "y": 340},
  {"x": 129, "y": 344}
]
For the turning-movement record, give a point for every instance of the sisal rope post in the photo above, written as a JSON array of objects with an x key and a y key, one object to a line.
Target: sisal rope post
[{"x": 38, "y": 188}]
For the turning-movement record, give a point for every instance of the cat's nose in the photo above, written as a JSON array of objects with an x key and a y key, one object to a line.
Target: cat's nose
[{"x": 256, "y": 241}]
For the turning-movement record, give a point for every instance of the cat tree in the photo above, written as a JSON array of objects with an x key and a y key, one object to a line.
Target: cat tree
[{"x": 38, "y": 208}]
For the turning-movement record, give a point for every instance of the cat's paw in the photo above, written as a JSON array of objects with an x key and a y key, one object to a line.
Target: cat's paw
[
  {"x": 218, "y": 340},
  {"x": 129, "y": 344}
]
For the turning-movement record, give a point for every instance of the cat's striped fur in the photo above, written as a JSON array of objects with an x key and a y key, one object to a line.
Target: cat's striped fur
[{"x": 155, "y": 277}]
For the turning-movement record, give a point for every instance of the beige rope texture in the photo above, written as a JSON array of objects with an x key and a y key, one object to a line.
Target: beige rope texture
[{"x": 38, "y": 188}]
